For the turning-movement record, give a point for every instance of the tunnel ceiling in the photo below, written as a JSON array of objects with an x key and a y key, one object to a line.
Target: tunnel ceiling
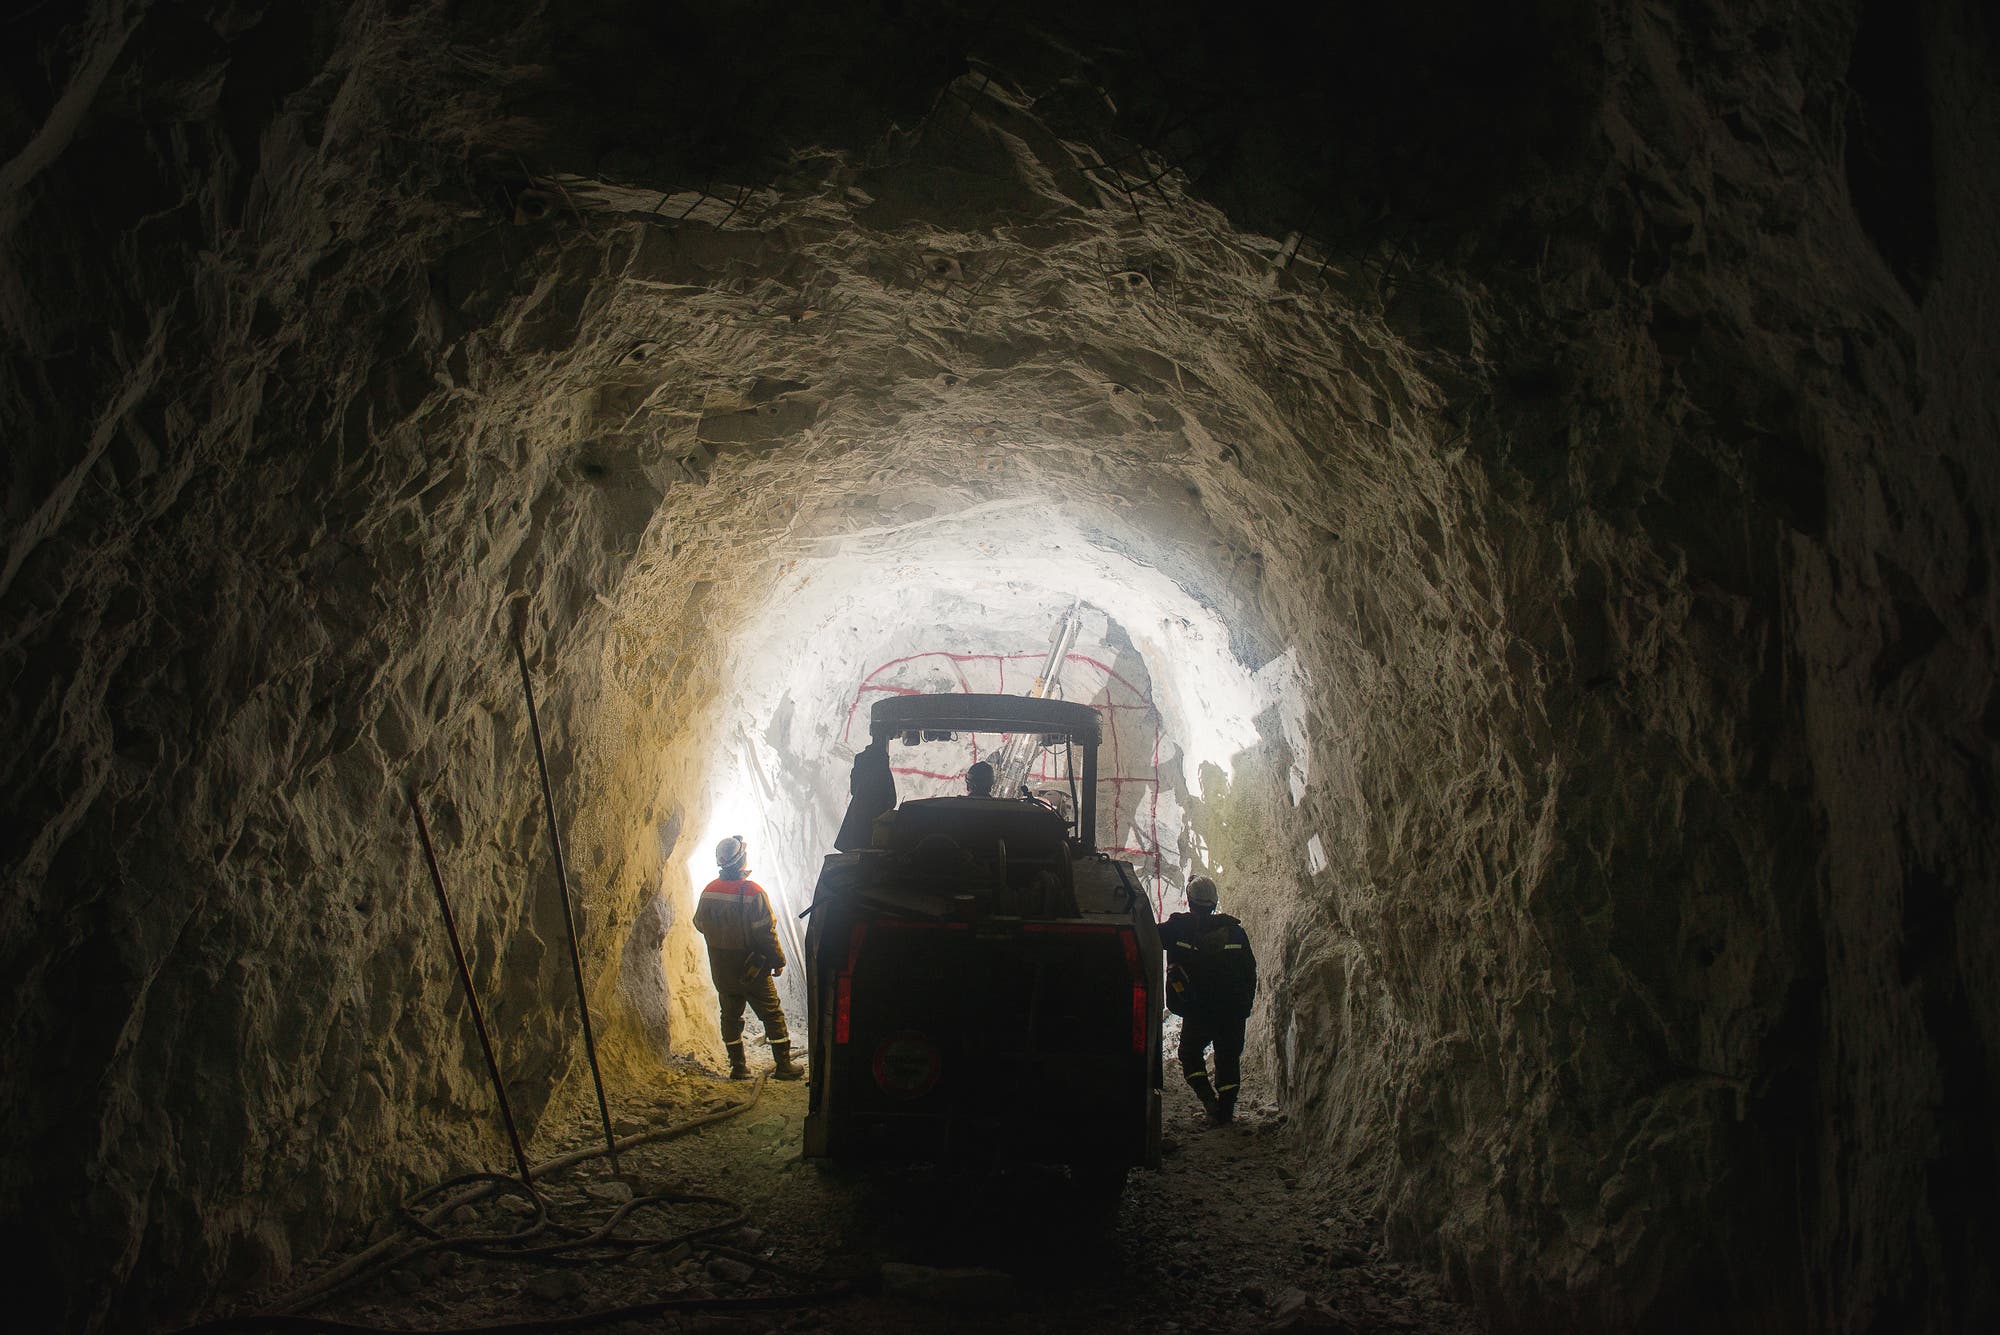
[{"x": 1586, "y": 408}]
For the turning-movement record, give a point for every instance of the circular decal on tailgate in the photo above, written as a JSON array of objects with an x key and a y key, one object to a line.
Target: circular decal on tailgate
[{"x": 907, "y": 1064}]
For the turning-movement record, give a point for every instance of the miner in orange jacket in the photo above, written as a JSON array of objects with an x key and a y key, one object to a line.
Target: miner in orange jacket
[{"x": 743, "y": 956}]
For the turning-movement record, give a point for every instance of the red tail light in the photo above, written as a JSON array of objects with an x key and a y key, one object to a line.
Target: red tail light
[
  {"x": 1130, "y": 940},
  {"x": 843, "y": 988}
]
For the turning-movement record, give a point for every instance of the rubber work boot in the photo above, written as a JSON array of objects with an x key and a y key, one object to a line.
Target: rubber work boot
[
  {"x": 781, "y": 1054},
  {"x": 739, "y": 1069},
  {"x": 1225, "y": 1106},
  {"x": 1206, "y": 1093}
]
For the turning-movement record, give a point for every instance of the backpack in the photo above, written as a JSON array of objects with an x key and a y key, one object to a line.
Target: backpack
[{"x": 1217, "y": 977}]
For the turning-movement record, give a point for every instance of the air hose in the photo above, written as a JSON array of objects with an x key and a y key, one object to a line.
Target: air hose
[{"x": 540, "y": 1239}]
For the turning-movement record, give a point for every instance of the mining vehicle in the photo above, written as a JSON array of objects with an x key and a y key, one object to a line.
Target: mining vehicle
[{"x": 985, "y": 986}]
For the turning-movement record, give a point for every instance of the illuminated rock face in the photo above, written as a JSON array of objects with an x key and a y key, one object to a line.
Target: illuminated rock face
[{"x": 1591, "y": 518}]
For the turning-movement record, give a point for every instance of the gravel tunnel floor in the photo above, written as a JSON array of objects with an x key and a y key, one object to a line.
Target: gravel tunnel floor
[{"x": 1225, "y": 1236}]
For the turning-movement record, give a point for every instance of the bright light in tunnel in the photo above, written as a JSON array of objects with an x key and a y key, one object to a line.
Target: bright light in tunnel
[
  {"x": 968, "y": 602},
  {"x": 731, "y": 810},
  {"x": 742, "y": 803}
]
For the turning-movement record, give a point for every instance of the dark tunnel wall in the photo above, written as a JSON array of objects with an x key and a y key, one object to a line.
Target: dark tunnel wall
[{"x": 1652, "y": 973}]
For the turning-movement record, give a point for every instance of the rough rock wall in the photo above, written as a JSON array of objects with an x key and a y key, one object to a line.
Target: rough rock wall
[
  {"x": 1585, "y": 478},
  {"x": 1894, "y": 613},
  {"x": 258, "y": 576},
  {"x": 1665, "y": 947}
]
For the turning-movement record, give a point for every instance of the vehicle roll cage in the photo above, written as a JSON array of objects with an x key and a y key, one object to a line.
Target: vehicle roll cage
[{"x": 934, "y": 717}]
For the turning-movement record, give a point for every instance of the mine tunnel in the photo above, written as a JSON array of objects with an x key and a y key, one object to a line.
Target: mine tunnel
[{"x": 1524, "y": 476}]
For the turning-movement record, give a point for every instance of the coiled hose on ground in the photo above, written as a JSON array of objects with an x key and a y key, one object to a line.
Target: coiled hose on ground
[{"x": 542, "y": 1238}]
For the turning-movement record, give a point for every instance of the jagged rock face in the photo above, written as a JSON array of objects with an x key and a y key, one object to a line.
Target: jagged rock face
[{"x": 1619, "y": 473}]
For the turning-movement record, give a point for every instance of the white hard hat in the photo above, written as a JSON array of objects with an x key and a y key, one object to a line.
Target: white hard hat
[{"x": 732, "y": 852}]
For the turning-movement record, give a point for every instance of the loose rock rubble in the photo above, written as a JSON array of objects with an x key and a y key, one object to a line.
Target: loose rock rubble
[{"x": 1226, "y": 1235}]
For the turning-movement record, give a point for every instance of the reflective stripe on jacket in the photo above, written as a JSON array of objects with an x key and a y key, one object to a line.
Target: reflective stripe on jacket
[
  {"x": 1211, "y": 970},
  {"x": 736, "y": 915}
]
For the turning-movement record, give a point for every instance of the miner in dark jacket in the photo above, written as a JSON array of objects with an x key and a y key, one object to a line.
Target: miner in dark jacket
[
  {"x": 1211, "y": 981},
  {"x": 734, "y": 916},
  {"x": 871, "y": 792}
]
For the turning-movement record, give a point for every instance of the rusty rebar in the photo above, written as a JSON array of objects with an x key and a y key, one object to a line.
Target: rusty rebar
[
  {"x": 465, "y": 981},
  {"x": 562, "y": 885}
]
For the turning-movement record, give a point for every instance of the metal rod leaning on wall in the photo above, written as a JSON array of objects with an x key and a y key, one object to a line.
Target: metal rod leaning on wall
[
  {"x": 562, "y": 884},
  {"x": 465, "y": 981}
]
